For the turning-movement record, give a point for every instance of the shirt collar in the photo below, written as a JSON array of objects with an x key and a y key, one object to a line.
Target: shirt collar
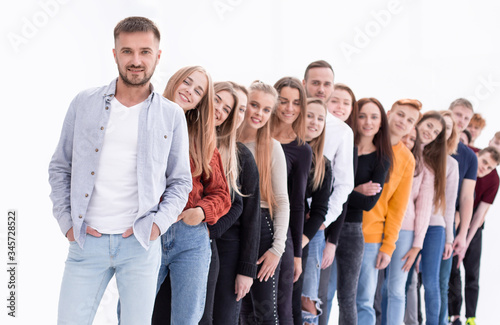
[{"x": 110, "y": 91}]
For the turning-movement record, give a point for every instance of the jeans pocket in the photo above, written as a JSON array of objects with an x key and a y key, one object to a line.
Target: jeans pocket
[{"x": 191, "y": 226}]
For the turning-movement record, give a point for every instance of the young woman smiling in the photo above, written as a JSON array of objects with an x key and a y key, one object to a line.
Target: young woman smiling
[
  {"x": 288, "y": 127},
  {"x": 439, "y": 237},
  {"x": 186, "y": 246},
  {"x": 255, "y": 133},
  {"x": 316, "y": 206},
  {"x": 428, "y": 192},
  {"x": 237, "y": 233},
  {"x": 371, "y": 137},
  {"x": 343, "y": 105}
]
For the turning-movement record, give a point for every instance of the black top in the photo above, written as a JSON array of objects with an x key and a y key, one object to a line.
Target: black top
[
  {"x": 369, "y": 169},
  {"x": 319, "y": 200},
  {"x": 333, "y": 231},
  {"x": 298, "y": 164},
  {"x": 242, "y": 222}
]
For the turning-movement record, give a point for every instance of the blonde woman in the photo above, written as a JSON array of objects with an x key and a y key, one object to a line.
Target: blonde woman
[
  {"x": 186, "y": 246},
  {"x": 255, "y": 133}
]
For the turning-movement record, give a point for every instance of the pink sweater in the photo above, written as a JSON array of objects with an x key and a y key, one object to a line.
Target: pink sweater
[
  {"x": 418, "y": 212},
  {"x": 437, "y": 218}
]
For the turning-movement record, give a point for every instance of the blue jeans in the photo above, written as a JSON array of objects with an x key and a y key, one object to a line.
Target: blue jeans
[
  {"x": 311, "y": 275},
  {"x": 432, "y": 254},
  {"x": 88, "y": 271},
  {"x": 393, "y": 290},
  {"x": 367, "y": 284},
  {"x": 444, "y": 279},
  {"x": 332, "y": 285},
  {"x": 185, "y": 259}
]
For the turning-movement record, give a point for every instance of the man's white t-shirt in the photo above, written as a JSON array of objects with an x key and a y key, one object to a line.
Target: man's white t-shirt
[{"x": 114, "y": 201}]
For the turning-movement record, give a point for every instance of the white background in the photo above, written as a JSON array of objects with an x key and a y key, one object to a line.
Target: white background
[{"x": 52, "y": 49}]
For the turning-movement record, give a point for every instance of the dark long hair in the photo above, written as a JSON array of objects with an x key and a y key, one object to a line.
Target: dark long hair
[
  {"x": 434, "y": 156},
  {"x": 381, "y": 140},
  {"x": 417, "y": 152},
  {"x": 299, "y": 125},
  {"x": 353, "y": 117}
]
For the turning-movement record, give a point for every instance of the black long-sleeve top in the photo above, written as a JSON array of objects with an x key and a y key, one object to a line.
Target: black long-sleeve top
[
  {"x": 319, "y": 200},
  {"x": 369, "y": 169},
  {"x": 298, "y": 163},
  {"x": 242, "y": 222},
  {"x": 333, "y": 231}
]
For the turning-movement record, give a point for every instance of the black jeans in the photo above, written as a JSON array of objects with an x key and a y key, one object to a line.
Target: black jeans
[
  {"x": 163, "y": 298},
  {"x": 471, "y": 262},
  {"x": 213, "y": 274},
  {"x": 285, "y": 283},
  {"x": 377, "y": 302},
  {"x": 226, "y": 309},
  {"x": 260, "y": 305},
  {"x": 297, "y": 290},
  {"x": 349, "y": 256}
]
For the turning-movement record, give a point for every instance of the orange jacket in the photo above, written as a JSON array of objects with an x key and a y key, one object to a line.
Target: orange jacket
[{"x": 383, "y": 222}]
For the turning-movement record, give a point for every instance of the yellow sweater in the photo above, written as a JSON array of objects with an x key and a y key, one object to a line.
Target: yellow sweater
[{"x": 383, "y": 222}]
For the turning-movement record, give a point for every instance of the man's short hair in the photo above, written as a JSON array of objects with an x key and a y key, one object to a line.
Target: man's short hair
[
  {"x": 461, "y": 102},
  {"x": 317, "y": 64},
  {"x": 494, "y": 154},
  {"x": 477, "y": 120},
  {"x": 136, "y": 24}
]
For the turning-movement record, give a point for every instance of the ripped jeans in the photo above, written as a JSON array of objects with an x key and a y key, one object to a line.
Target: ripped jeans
[{"x": 311, "y": 276}]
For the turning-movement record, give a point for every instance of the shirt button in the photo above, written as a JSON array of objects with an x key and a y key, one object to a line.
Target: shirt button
[
  {"x": 92, "y": 173},
  {"x": 80, "y": 216},
  {"x": 107, "y": 107},
  {"x": 102, "y": 128},
  {"x": 96, "y": 150},
  {"x": 165, "y": 136},
  {"x": 86, "y": 195}
]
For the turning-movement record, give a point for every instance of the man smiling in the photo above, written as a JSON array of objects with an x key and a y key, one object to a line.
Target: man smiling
[{"x": 120, "y": 177}]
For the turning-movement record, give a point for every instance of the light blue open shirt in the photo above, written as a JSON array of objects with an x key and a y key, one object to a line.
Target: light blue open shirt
[{"x": 163, "y": 169}]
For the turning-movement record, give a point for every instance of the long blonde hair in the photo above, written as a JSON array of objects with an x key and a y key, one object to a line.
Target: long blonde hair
[
  {"x": 200, "y": 121},
  {"x": 226, "y": 139},
  {"x": 264, "y": 147},
  {"x": 317, "y": 145}
]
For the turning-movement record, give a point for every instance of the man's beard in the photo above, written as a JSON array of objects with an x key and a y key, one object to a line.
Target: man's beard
[{"x": 132, "y": 83}]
